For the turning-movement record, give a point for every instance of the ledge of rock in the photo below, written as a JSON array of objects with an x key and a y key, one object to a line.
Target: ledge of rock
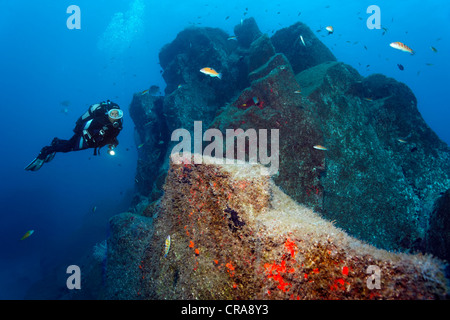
[{"x": 236, "y": 235}]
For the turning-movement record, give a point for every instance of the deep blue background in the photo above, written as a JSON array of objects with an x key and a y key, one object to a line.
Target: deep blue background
[{"x": 113, "y": 56}]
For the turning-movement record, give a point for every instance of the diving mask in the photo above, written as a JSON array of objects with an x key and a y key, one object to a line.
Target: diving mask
[{"x": 115, "y": 114}]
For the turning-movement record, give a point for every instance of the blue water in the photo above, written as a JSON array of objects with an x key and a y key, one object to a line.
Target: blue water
[{"x": 45, "y": 66}]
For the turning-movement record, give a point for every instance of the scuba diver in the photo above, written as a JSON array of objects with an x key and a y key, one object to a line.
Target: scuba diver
[{"x": 97, "y": 127}]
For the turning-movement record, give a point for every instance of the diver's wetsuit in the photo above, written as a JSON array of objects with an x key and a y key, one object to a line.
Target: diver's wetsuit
[
  {"x": 93, "y": 130},
  {"x": 99, "y": 133}
]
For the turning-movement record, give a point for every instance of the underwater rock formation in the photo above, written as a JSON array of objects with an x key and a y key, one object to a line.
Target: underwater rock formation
[
  {"x": 383, "y": 169},
  {"x": 438, "y": 237},
  {"x": 301, "y": 56},
  {"x": 384, "y": 166},
  {"x": 236, "y": 235},
  {"x": 151, "y": 137}
]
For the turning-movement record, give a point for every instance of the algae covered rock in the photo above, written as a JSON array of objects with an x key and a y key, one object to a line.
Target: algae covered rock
[
  {"x": 438, "y": 236},
  {"x": 151, "y": 138},
  {"x": 301, "y": 56},
  {"x": 236, "y": 235},
  {"x": 247, "y": 32},
  {"x": 130, "y": 236},
  {"x": 383, "y": 168},
  {"x": 197, "y": 48}
]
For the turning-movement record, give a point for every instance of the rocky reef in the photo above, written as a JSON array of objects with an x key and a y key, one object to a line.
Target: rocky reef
[
  {"x": 383, "y": 169},
  {"x": 311, "y": 230},
  {"x": 236, "y": 235}
]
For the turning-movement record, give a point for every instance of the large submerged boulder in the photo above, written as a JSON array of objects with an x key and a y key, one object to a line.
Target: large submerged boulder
[
  {"x": 383, "y": 168},
  {"x": 438, "y": 236},
  {"x": 301, "y": 56},
  {"x": 235, "y": 235},
  {"x": 152, "y": 139}
]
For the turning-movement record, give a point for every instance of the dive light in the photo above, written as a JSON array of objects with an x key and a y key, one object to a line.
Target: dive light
[{"x": 111, "y": 151}]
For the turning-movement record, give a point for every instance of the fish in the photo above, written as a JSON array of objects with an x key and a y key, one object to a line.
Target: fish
[
  {"x": 180, "y": 86},
  {"x": 211, "y": 72},
  {"x": 252, "y": 102},
  {"x": 232, "y": 38},
  {"x": 141, "y": 145},
  {"x": 27, "y": 234},
  {"x": 297, "y": 91},
  {"x": 319, "y": 147},
  {"x": 400, "y": 67},
  {"x": 167, "y": 246},
  {"x": 429, "y": 64},
  {"x": 144, "y": 92},
  {"x": 94, "y": 209},
  {"x": 401, "y": 46},
  {"x": 330, "y": 29},
  {"x": 303, "y": 41},
  {"x": 401, "y": 140},
  {"x": 434, "y": 49}
]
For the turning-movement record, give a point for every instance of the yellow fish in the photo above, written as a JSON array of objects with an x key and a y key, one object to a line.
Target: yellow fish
[
  {"x": 319, "y": 147},
  {"x": 401, "y": 46},
  {"x": 211, "y": 72},
  {"x": 167, "y": 246},
  {"x": 27, "y": 234}
]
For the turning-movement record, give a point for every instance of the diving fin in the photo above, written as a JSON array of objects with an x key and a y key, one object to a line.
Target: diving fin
[
  {"x": 50, "y": 157},
  {"x": 35, "y": 165}
]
